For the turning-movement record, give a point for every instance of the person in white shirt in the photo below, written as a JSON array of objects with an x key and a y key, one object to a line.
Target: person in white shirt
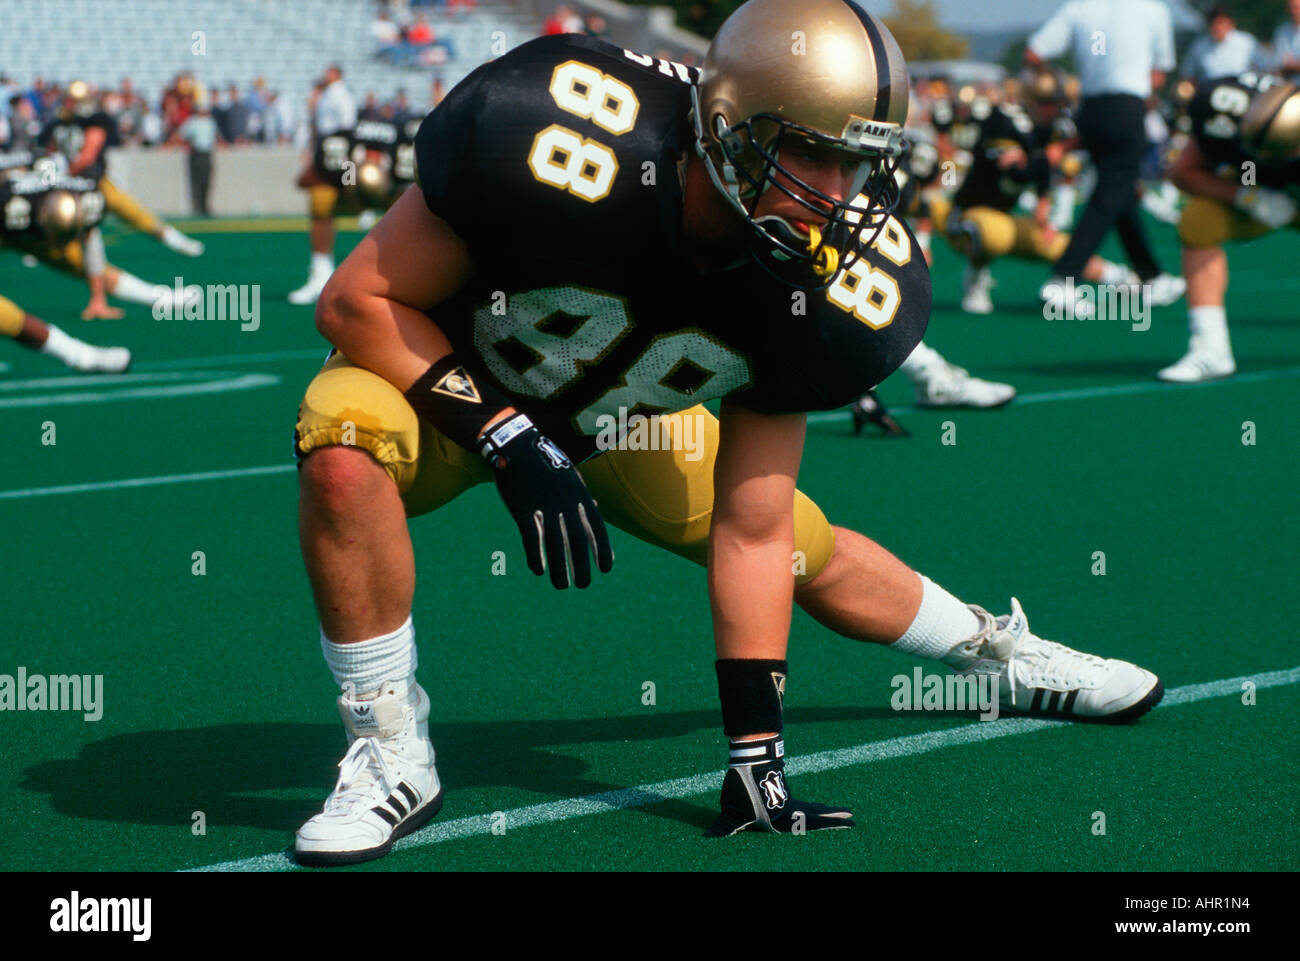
[
  {"x": 1222, "y": 50},
  {"x": 1286, "y": 44},
  {"x": 1122, "y": 50},
  {"x": 334, "y": 111}
]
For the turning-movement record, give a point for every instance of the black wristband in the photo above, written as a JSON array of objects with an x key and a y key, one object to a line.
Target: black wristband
[
  {"x": 455, "y": 403},
  {"x": 752, "y": 692}
]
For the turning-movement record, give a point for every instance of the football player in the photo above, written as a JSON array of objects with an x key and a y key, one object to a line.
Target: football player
[
  {"x": 55, "y": 218},
  {"x": 1013, "y": 151},
  {"x": 599, "y": 234},
  {"x": 334, "y": 115},
  {"x": 80, "y": 132},
  {"x": 1241, "y": 170},
  {"x": 937, "y": 382},
  {"x": 34, "y": 333}
]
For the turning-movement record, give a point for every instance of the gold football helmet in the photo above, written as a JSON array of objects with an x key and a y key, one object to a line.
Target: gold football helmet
[
  {"x": 1271, "y": 126},
  {"x": 787, "y": 73},
  {"x": 58, "y": 215},
  {"x": 374, "y": 182}
]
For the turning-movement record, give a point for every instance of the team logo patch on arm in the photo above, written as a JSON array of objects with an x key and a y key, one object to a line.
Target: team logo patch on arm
[{"x": 458, "y": 384}]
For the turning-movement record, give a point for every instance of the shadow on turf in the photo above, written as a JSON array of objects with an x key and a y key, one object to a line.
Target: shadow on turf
[{"x": 162, "y": 777}]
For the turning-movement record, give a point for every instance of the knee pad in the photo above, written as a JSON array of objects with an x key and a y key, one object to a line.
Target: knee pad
[
  {"x": 11, "y": 318},
  {"x": 348, "y": 406}
]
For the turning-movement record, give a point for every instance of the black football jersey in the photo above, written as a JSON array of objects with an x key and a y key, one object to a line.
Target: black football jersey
[
  {"x": 392, "y": 142},
  {"x": 67, "y": 135},
  {"x": 21, "y": 197},
  {"x": 557, "y": 164},
  {"x": 1215, "y": 113},
  {"x": 987, "y": 184}
]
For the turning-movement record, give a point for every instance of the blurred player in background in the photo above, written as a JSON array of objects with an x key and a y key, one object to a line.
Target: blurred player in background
[
  {"x": 55, "y": 218},
  {"x": 32, "y": 332},
  {"x": 1014, "y": 151},
  {"x": 1241, "y": 171},
  {"x": 334, "y": 115},
  {"x": 81, "y": 132},
  {"x": 1137, "y": 51},
  {"x": 937, "y": 382}
]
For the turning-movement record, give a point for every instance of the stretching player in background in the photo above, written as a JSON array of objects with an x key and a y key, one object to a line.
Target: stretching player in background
[
  {"x": 1241, "y": 170},
  {"x": 55, "y": 218},
  {"x": 32, "y": 332},
  {"x": 937, "y": 382},
  {"x": 81, "y": 133},
  {"x": 1014, "y": 151}
]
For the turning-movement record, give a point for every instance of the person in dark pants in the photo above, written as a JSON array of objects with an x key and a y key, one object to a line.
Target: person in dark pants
[
  {"x": 200, "y": 134},
  {"x": 1122, "y": 49}
]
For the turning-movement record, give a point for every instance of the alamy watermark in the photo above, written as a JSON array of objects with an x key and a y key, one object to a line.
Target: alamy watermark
[
  {"x": 919, "y": 691},
  {"x": 209, "y": 302},
  {"x": 53, "y": 692},
  {"x": 1129, "y": 302},
  {"x": 681, "y": 431}
]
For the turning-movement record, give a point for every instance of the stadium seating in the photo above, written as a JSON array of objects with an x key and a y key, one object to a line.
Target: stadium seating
[{"x": 288, "y": 42}]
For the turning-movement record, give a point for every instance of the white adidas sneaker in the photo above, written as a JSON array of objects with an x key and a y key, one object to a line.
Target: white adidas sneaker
[
  {"x": 106, "y": 360},
  {"x": 1045, "y": 678},
  {"x": 387, "y": 786},
  {"x": 310, "y": 292},
  {"x": 1199, "y": 364},
  {"x": 947, "y": 385}
]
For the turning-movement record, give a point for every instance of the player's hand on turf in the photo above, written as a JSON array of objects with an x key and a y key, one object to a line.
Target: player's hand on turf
[
  {"x": 755, "y": 797},
  {"x": 546, "y": 496},
  {"x": 1272, "y": 208}
]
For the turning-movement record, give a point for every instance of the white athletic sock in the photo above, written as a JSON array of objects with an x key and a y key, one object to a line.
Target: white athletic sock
[
  {"x": 941, "y": 624},
  {"x": 322, "y": 263},
  {"x": 132, "y": 288},
  {"x": 370, "y": 663},
  {"x": 920, "y": 362},
  {"x": 62, "y": 347},
  {"x": 1209, "y": 326}
]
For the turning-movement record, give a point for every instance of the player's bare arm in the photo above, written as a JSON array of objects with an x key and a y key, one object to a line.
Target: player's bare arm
[
  {"x": 751, "y": 585},
  {"x": 373, "y": 307},
  {"x": 1191, "y": 174}
]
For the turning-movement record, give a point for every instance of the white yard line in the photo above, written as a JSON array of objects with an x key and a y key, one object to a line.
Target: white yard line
[{"x": 906, "y": 746}]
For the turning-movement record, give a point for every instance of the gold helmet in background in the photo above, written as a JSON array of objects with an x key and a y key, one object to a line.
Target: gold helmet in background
[
  {"x": 819, "y": 73},
  {"x": 374, "y": 182},
  {"x": 1271, "y": 126},
  {"x": 58, "y": 214}
]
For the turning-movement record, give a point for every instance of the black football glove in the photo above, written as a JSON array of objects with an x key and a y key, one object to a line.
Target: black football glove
[
  {"x": 755, "y": 796},
  {"x": 548, "y": 500}
]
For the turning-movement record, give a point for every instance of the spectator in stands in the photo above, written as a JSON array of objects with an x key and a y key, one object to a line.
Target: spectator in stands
[
  {"x": 24, "y": 127},
  {"x": 563, "y": 20},
  {"x": 595, "y": 26},
  {"x": 131, "y": 114},
  {"x": 199, "y": 133},
  {"x": 1222, "y": 49},
  {"x": 280, "y": 120},
  {"x": 236, "y": 117},
  {"x": 402, "y": 111},
  {"x": 387, "y": 36},
  {"x": 456, "y": 6},
  {"x": 1286, "y": 44},
  {"x": 437, "y": 92},
  {"x": 420, "y": 34}
]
